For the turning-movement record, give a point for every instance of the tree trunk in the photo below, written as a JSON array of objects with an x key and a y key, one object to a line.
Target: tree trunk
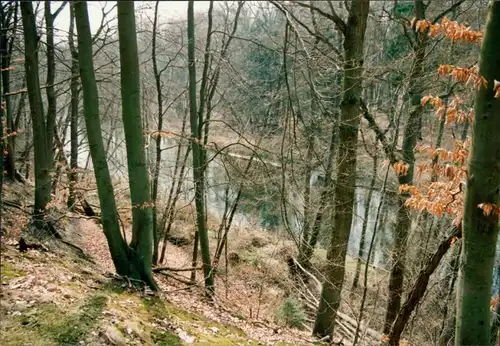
[
  {"x": 6, "y": 46},
  {"x": 156, "y": 171},
  {"x": 43, "y": 158},
  {"x": 73, "y": 176},
  {"x": 1, "y": 157},
  {"x": 142, "y": 213},
  {"x": 307, "y": 246},
  {"x": 411, "y": 134},
  {"x": 199, "y": 158},
  {"x": 50, "y": 89},
  {"x": 480, "y": 230},
  {"x": 354, "y": 36},
  {"x": 449, "y": 316},
  {"x": 366, "y": 215},
  {"x": 175, "y": 191},
  {"x": 124, "y": 259}
]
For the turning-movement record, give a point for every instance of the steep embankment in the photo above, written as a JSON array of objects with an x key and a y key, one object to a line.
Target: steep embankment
[{"x": 57, "y": 295}]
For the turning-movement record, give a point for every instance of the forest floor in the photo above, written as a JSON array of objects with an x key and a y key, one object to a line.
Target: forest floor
[{"x": 58, "y": 296}]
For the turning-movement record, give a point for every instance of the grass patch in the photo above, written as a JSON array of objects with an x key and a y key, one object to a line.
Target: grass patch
[
  {"x": 165, "y": 338},
  {"x": 65, "y": 329},
  {"x": 76, "y": 327},
  {"x": 226, "y": 335},
  {"x": 8, "y": 272},
  {"x": 157, "y": 308}
]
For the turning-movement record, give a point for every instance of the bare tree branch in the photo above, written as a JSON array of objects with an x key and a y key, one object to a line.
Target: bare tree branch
[
  {"x": 339, "y": 23},
  {"x": 445, "y": 12}
]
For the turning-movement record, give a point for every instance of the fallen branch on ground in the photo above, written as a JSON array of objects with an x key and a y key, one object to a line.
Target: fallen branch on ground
[
  {"x": 159, "y": 269},
  {"x": 177, "y": 277}
]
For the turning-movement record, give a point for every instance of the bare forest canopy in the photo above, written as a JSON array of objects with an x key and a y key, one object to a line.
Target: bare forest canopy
[{"x": 326, "y": 171}]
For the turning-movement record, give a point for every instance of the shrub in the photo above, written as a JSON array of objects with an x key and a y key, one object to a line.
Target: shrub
[{"x": 291, "y": 313}]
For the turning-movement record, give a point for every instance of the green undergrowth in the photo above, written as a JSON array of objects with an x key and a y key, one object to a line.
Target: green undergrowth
[{"x": 9, "y": 272}]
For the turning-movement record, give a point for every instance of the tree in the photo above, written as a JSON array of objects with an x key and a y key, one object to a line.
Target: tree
[
  {"x": 446, "y": 197},
  {"x": 411, "y": 133},
  {"x": 9, "y": 20},
  {"x": 405, "y": 165},
  {"x": 50, "y": 89},
  {"x": 354, "y": 34},
  {"x": 482, "y": 196},
  {"x": 199, "y": 156},
  {"x": 41, "y": 132},
  {"x": 156, "y": 171},
  {"x": 134, "y": 260},
  {"x": 74, "y": 89},
  {"x": 142, "y": 228}
]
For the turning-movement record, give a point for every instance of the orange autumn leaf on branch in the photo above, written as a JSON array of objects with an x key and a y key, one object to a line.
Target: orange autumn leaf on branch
[
  {"x": 464, "y": 75},
  {"x": 449, "y": 29},
  {"x": 400, "y": 168},
  {"x": 451, "y": 112},
  {"x": 494, "y": 302},
  {"x": 489, "y": 208},
  {"x": 444, "y": 196},
  {"x": 434, "y": 101},
  {"x": 496, "y": 88}
]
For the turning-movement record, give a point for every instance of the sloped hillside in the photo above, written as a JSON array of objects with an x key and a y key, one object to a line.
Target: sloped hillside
[{"x": 62, "y": 294}]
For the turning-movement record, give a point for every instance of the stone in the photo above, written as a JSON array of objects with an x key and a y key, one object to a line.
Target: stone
[
  {"x": 114, "y": 336},
  {"x": 133, "y": 327}
]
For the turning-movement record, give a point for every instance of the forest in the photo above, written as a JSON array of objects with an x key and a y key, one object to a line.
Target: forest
[{"x": 250, "y": 172}]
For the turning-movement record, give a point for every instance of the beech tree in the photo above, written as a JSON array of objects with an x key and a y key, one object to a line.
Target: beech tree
[
  {"x": 354, "y": 34},
  {"x": 132, "y": 260},
  {"x": 476, "y": 212},
  {"x": 142, "y": 228},
  {"x": 8, "y": 23},
  {"x": 199, "y": 156},
  {"x": 41, "y": 132},
  {"x": 74, "y": 90},
  {"x": 482, "y": 196}
]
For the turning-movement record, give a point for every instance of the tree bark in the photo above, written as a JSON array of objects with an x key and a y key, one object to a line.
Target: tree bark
[
  {"x": 43, "y": 159},
  {"x": 199, "y": 158},
  {"x": 156, "y": 171},
  {"x": 6, "y": 46},
  {"x": 73, "y": 176},
  {"x": 366, "y": 215},
  {"x": 50, "y": 90},
  {"x": 354, "y": 36},
  {"x": 479, "y": 230},
  {"x": 142, "y": 213},
  {"x": 127, "y": 261},
  {"x": 411, "y": 134}
]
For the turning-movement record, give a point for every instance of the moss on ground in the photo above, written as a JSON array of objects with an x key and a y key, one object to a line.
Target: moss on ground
[
  {"x": 87, "y": 310},
  {"x": 163, "y": 338},
  {"x": 9, "y": 272},
  {"x": 50, "y": 322}
]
